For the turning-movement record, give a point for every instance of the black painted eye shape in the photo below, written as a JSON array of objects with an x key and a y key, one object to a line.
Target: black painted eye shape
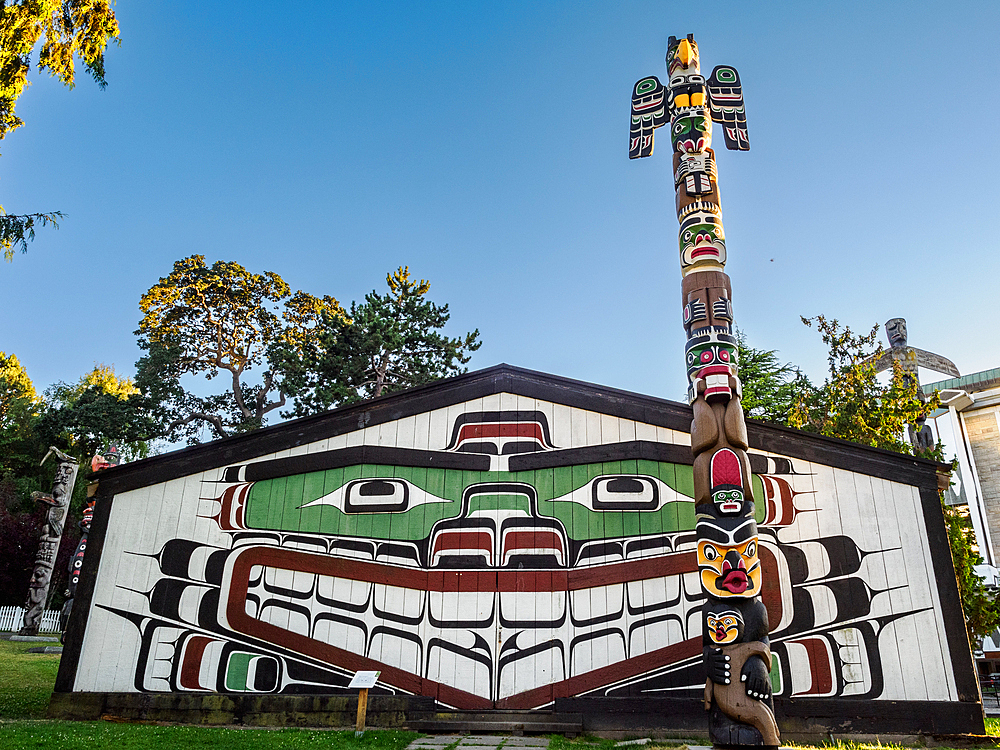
[
  {"x": 376, "y": 496},
  {"x": 627, "y": 492}
]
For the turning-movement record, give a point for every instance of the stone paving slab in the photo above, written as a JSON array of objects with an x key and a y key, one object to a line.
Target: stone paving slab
[
  {"x": 440, "y": 739},
  {"x": 478, "y": 742},
  {"x": 482, "y": 739}
]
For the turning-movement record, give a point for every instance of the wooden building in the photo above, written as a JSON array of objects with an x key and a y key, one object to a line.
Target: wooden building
[{"x": 507, "y": 539}]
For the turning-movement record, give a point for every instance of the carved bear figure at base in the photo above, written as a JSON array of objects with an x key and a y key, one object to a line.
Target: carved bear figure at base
[{"x": 732, "y": 699}]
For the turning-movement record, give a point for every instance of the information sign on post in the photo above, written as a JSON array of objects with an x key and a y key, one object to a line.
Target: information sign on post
[{"x": 362, "y": 681}]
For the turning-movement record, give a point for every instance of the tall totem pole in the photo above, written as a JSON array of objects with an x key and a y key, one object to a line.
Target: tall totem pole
[{"x": 736, "y": 652}]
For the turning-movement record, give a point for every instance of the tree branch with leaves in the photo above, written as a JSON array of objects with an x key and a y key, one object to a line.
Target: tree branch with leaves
[
  {"x": 209, "y": 320},
  {"x": 67, "y": 30}
]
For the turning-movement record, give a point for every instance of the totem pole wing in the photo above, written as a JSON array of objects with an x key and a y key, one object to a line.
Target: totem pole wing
[
  {"x": 936, "y": 362},
  {"x": 725, "y": 98},
  {"x": 649, "y": 111}
]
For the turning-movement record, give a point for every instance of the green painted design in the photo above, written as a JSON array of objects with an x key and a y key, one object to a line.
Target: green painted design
[
  {"x": 237, "y": 670},
  {"x": 645, "y": 86},
  {"x": 775, "y": 677},
  {"x": 276, "y": 504}
]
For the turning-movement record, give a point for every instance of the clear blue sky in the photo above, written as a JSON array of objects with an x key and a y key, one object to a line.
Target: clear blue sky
[{"x": 485, "y": 145}]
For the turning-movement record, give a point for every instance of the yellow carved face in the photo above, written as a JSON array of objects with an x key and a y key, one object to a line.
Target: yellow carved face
[
  {"x": 727, "y": 560},
  {"x": 723, "y": 627}
]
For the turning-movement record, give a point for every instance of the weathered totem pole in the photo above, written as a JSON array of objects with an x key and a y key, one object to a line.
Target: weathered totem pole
[
  {"x": 736, "y": 652},
  {"x": 910, "y": 359},
  {"x": 48, "y": 543}
]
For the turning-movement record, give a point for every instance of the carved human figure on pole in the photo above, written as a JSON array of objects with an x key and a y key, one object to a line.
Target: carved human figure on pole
[
  {"x": 51, "y": 534},
  {"x": 736, "y": 650},
  {"x": 910, "y": 359}
]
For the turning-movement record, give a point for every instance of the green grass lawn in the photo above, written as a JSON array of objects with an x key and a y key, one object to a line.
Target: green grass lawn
[
  {"x": 26, "y": 680},
  {"x": 99, "y": 735}
]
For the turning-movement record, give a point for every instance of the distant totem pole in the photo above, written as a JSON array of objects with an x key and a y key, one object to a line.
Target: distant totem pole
[
  {"x": 910, "y": 358},
  {"x": 48, "y": 543},
  {"x": 737, "y": 656}
]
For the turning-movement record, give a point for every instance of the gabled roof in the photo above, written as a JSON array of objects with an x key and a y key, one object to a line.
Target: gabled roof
[{"x": 502, "y": 378}]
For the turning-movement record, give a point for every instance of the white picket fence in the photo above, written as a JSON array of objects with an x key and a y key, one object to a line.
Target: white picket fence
[{"x": 12, "y": 618}]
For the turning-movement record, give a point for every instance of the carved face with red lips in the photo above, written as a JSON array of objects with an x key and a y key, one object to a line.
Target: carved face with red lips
[
  {"x": 702, "y": 240},
  {"x": 723, "y": 626},
  {"x": 712, "y": 357},
  {"x": 727, "y": 557}
]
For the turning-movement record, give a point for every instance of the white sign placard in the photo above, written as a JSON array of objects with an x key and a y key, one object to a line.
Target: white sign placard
[{"x": 364, "y": 679}]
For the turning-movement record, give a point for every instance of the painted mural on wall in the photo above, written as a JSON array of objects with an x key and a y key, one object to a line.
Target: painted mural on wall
[{"x": 493, "y": 556}]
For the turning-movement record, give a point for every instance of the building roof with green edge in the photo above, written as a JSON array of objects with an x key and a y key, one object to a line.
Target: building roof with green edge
[{"x": 977, "y": 381}]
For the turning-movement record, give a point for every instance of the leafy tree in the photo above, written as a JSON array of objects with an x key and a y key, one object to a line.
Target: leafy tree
[
  {"x": 19, "y": 446},
  {"x": 980, "y": 604},
  {"x": 100, "y": 408},
  {"x": 206, "y": 320},
  {"x": 67, "y": 29},
  {"x": 387, "y": 343},
  {"x": 852, "y": 404},
  {"x": 769, "y": 387}
]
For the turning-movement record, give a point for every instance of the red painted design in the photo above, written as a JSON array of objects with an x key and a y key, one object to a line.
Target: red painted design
[
  {"x": 452, "y": 580},
  {"x": 190, "y": 671},
  {"x": 820, "y": 666},
  {"x": 726, "y": 469},
  {"x": 531, "y": 430},
  {"x": 516, "y": 541}
]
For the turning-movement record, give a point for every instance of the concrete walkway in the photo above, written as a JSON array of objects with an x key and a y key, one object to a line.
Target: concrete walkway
[{"x": 478, "y": 742}]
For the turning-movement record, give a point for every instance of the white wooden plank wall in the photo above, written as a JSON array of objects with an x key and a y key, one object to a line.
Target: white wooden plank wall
[{"x": 876, "y": 514}]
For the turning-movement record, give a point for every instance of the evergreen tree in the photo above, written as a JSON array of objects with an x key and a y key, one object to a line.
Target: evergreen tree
[
  {"x": 852, "y": 404},
  {"x": 769, "y": 387},
  {"x": 387, "y": 343}
]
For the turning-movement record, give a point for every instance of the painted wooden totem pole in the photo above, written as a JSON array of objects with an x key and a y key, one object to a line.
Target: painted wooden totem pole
[
  {"x": 57, "y": 502},
  {"x": 736, "y": 650}
]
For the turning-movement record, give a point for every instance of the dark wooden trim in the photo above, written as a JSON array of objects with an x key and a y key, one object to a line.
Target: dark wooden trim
[
  {"x": 361, "y": 454},
  {"x": 962, "y": 664},
  {"x": 504, "y": 379},
  {"x": 593, "y": 454},
  {"x": 843, "y": 454},
  {"x": 796, "y": 716},
  {"x": 77, "y": 625},
  {"x": 339, "y": 709}
]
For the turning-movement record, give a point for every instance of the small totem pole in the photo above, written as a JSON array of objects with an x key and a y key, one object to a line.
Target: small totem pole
[
  {"x": 48, "y": 544},
  {"x": 736, "y": 651}
]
